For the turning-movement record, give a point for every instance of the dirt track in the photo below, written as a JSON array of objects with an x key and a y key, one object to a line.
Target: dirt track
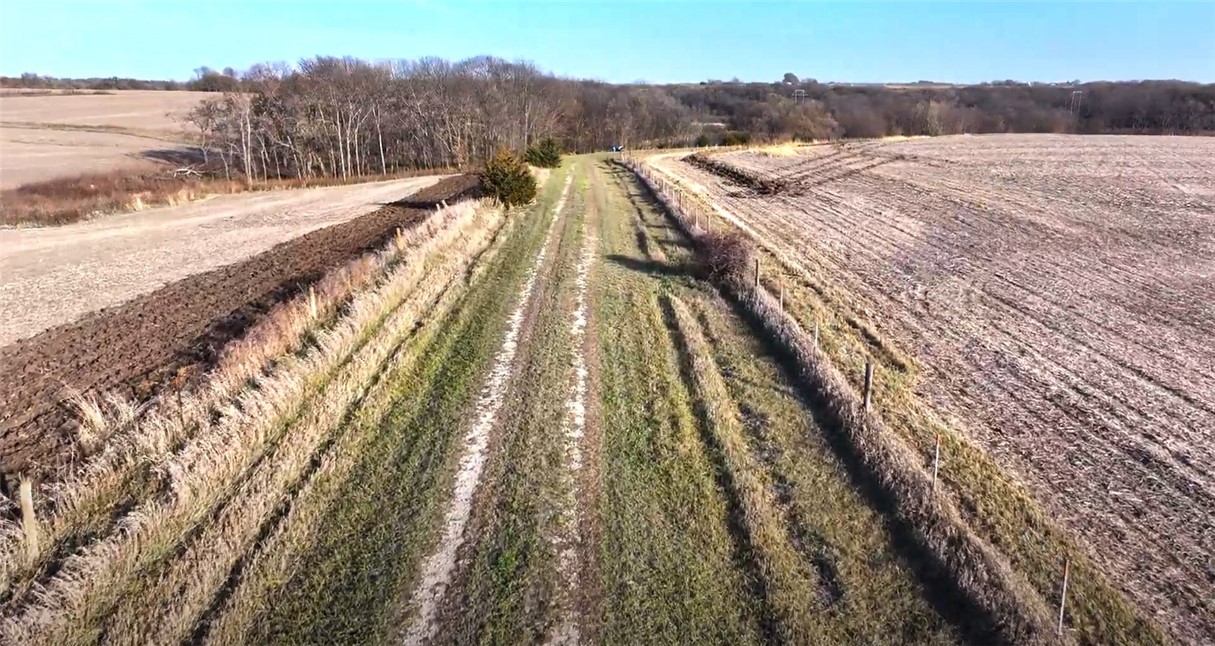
[
  {"x": 1057, "y": 292},
  {"x": 53, "y": 276},
  {"x": 167, "y": 336}
]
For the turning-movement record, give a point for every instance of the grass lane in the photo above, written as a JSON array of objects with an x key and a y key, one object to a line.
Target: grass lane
[
  {"x": 669, "y": 563},
  {"x": 352, "y": 582},
  {"x": 818, "y": 560},
  {"x": 510, "y": 589}
]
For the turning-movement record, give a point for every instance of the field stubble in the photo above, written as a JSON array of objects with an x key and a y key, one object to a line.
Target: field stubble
[{"x": 1040, "y": 283}]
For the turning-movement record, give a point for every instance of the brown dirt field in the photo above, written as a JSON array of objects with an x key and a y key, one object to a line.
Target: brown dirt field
[
  {"x": 1057, "y": 293},
  {"x": 52, "y": 276},
  {"x": 162, "y": 340},
  {"x": 35, "y": 154},
  {"x": 134, "y": 109},
  {"x": 54, "y": 135}
]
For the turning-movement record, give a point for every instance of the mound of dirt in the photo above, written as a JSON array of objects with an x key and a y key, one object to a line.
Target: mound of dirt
[
  {"x": 761, "y": 185},
  {"x": 166, "y": 339}
]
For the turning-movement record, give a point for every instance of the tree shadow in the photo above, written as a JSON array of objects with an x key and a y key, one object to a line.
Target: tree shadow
[
  {"x": 175, "y": 156},
  {"x": 653, "y": 267}
]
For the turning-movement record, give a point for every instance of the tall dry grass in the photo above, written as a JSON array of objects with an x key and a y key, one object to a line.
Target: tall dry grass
[
  {"x": 1014, "y": 610},
  {"x": 226, "y": 449},
  {"x": 168, "y": 609},
  {"x": 274, "y": 558},
  {"x": 129, "y": 457}
]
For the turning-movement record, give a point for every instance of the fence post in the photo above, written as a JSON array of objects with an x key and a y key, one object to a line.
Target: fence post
[
  {"x": 1067, "y": 563},
  {"x": 782, "y": 295},
  {"x": 816, "y": 335},
  {"x": 29, "y": 521},
  {"x": 755, "y": 288},
  {"x": 936, "y": 463},
  {"x": 868, "y": 384},
  {"x": 312, "y": 300}
]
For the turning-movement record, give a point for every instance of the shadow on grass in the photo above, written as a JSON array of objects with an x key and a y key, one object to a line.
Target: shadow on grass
[
  {"x": 744, "y": 553},
  {"x": 653, "y": 267},
  {"x": 942, "y": 591}
]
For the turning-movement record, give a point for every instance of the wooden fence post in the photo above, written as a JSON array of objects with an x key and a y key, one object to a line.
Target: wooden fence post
[
  {"x": 29, "y": 521},
  {"x": 868, "y": 384},
  {"x": 1063, "y": 595},
  {"x": 816, "y": 335},
  {"x": 312, "y": 300},
  {"x": 936, "y": 463},
  {"x": 755, "y": 287}
]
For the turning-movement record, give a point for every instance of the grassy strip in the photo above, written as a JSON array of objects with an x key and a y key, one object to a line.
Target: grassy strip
[
  {"x": 668, "y": 561},
  {"x": 866, "y": 591},
  {"x": 272, "y": 561},
  {"x": 510, "y": 586},
  {"x": 789, "y": 586},
  {"x": 167, "y": 608},
  {"x": 995, "y": 505},
  {"x": 366, "y": 551},
  {"x": 1004, "y": 605},
  {"x": 863, "y": 593},
  {"x": 82, "y": 506},
  {"x": 200, "y": 477}
]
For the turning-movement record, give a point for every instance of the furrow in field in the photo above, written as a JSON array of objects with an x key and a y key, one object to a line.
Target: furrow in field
[
  {"x": 229, "y": 457},
  {"x": 438, "y": 568},
  {"x": 1033, "y": 298}
]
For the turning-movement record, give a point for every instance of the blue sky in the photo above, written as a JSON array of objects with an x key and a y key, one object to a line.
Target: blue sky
[{"x": 658, "y": 42}]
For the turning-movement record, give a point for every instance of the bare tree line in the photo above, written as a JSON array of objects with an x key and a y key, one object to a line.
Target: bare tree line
[
  {"x": 347, "y": 117},
  {"x": 344, "y": 117}
]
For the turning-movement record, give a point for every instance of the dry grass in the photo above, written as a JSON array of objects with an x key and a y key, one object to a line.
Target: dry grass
[
  {"x": 1014, "y": 610},
  {"x": 789, "y": 583},
  {"x": 223, "y": 441},
  {"x": 778, "y": 150},
  {"x": 72, "y": 199},
  {"x": 276, "y": 557}
]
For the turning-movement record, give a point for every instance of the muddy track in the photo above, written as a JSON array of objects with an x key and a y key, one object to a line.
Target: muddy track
[{"x": 163, "y": 341}]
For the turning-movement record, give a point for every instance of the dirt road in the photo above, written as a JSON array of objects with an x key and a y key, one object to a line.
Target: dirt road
[{"x": 53, "y": 276}]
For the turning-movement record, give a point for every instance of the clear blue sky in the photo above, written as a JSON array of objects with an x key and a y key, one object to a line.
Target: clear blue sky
[{"x": 659, "y": 42}]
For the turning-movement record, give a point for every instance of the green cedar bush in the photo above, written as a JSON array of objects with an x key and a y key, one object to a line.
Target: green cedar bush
[
  {"x": 507, "y": 178},
  {"x": 545, "y": 154}
]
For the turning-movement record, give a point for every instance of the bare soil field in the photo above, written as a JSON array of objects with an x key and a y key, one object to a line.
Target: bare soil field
[
  {"x": 54, "y": 135},
  {"x": 1057, "y": 295},
  {"x": 52, "y": 276},
  {"x": 166, "y": 337},
  {"x": 36, "y": 154}
]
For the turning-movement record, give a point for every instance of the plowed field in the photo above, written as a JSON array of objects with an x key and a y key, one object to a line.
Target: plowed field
[
  {"x": 169, "y": 335},
  {"x": 1058, "y": 295}
]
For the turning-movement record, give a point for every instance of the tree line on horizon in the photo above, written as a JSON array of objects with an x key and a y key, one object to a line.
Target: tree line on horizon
[{"x": 331, "y": 116}]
